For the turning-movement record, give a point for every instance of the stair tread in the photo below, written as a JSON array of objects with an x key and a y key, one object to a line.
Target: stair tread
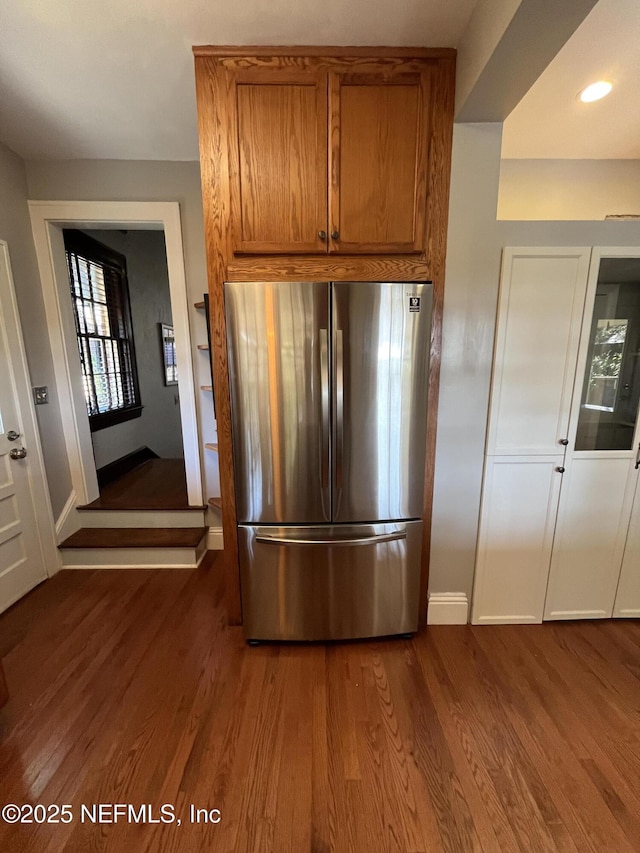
[
  {"x": 135, "y": 537},
  {"x": 133, "y": 509}
]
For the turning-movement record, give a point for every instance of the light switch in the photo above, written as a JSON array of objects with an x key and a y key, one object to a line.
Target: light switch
[{"x": 41, "y": 395}]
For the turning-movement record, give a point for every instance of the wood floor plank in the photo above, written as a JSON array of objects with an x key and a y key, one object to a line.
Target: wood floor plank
[
  {"x": 431, "y": 761},
  {"x": 489, "y": 817},
  {"x": 560, "y": 771},
  {"x": 516, "y": 779},
  {"x": 130, "y": 688}
]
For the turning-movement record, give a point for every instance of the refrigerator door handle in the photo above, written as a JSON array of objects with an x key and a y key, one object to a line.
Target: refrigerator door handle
[
  {"x": 324, "y": 385},
  {"x": 363, "y": 540},
  {"x": 339, "y": 368}
]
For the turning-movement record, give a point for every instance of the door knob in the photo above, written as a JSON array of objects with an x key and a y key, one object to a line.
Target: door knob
[
  {"x": 560, "y": 469},
  {"x": 564, "y": 441},
  {"x": 12, "y": 435},
  {"x": 322, "y": 235},
  {"x": 335, "y": 234},
  {"x": 18, "y": 453}
]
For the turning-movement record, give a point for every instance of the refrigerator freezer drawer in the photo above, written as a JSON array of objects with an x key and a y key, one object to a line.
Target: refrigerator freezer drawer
[{"x": 330, "y": 582}]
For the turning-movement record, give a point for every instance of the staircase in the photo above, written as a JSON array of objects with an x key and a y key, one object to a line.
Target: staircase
[{"x": 141, "y": 521}]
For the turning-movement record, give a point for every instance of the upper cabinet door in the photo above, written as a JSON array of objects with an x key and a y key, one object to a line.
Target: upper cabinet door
[
  {"x": 279, "y": 162},
  {"x": 542, "y": 293},
  {"x": 378, "y": 170}
]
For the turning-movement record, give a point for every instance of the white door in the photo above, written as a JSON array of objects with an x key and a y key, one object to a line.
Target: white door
[
  {"x": 25, "y": 553},
  {"x": 598, "y": 487}
]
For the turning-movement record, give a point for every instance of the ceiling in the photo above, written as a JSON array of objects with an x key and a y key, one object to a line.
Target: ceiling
[
  {"x": 114, "y": 79},
  {"x": 549, "y": 122}
]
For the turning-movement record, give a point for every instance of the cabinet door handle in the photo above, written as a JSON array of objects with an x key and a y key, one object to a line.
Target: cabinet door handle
[
  {"x": 560, "y": 469},
  {"x": 564, "y": 441},
  {"x": 335, "y": 235},
  {"x": 322, "y": 235}
]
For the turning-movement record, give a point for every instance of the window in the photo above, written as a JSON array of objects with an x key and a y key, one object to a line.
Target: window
[{"x": 100, "y": 296}]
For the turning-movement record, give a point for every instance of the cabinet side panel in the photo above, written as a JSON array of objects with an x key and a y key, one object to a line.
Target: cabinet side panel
[{"x": 213, "y": 96}]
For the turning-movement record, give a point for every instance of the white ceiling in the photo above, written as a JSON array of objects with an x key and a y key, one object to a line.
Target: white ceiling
[
  {"x": 114, "y": 79},
  {"x": 549, "y": 122}
]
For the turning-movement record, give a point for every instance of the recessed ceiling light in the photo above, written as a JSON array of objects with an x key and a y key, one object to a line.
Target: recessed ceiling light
[{"x": 595, "y": 91}]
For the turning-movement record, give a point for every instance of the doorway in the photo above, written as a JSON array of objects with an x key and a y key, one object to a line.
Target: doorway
[
  {"x": 124, "y": 327},
  {"x": 49, "y": 219}
]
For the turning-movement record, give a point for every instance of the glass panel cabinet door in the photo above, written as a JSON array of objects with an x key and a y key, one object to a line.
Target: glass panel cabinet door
[
  {"x": 597, "y": 491},
  {"x": 611, "y": 387}
]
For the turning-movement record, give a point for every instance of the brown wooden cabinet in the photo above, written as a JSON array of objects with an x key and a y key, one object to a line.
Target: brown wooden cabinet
[
  {"x": 297, "y": 144},
  {"x": 279, "y": 150},
  {"x": 378, "y": 162},
  {"x": 328, "y": 160}
]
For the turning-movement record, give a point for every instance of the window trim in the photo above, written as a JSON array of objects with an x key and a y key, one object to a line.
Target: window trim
[{"x": 76, "y": 241}]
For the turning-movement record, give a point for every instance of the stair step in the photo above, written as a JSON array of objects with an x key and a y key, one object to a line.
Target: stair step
[
  {"x": 104, "y": 518},
  {"x": 134, "y": 537}
]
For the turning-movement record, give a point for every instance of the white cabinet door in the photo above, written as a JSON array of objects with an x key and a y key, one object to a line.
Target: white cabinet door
[
  {"x": 540, "y": 310},
  {"x": 590, "y": 537},
  {"x": 519, "y": 504},
  {"x": 627, "y": 603}
]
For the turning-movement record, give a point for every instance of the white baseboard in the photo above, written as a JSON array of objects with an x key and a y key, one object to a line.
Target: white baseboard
[
  {"x": 448, "y": 608},
  {"x": 214, "y": 539},
  {"x": 68, "y": 521}
]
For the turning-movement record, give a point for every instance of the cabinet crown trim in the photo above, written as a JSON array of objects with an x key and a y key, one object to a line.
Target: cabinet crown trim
[{"x": 319, "y": 51}]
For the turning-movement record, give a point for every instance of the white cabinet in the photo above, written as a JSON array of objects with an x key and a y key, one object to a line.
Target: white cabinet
[
  {"x": 540, "y": 310},
  {"x": 559, "y": 525}
]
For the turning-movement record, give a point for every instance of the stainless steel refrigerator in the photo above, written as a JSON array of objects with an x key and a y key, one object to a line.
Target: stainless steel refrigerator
[{"x": 329, "y": 388}]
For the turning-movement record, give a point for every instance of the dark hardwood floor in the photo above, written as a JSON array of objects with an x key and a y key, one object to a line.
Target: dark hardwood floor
[
  {"x": 156, "y": 484},
  {"x": 126, "y": 687}
]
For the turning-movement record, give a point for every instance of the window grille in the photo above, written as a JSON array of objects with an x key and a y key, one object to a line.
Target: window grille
[{"x": 100, "y": 296}]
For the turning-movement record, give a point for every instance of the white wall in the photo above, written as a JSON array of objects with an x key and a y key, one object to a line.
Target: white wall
[
  {"x": 15, "y": 228},
  {"x": 568, "y": 189},
  {"x": 126, "y": 180},
  {"x": 159, "y": 426},
  {"x": 475, "y": 242}
]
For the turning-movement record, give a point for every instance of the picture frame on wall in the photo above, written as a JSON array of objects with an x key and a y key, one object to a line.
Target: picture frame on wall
[{"x": 168, "y": 344}]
